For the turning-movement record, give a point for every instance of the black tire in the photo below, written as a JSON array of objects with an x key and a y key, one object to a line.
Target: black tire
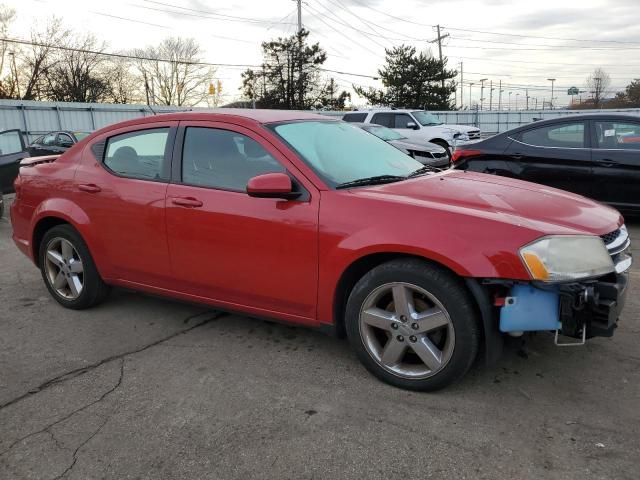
[
  {"x": 94, "y": 289},
  {"x": 447, "y": 289}
]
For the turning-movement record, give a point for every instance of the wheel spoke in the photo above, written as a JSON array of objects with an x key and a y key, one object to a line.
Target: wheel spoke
[
  {"x": 393, "y": 352},
  {"x": 75, "y": 285},
  {"x": 431, "y": 319},
  {"x": 67, "y": 250},
  {"x": 54, "y": 257},
  {"x": 430, "y": 355},
  {"x": 60, "y": 281},
  {"x": 76, "y": 266},
  {"x": 379, "y": 318},
  {"x": 403, "y": 301}
]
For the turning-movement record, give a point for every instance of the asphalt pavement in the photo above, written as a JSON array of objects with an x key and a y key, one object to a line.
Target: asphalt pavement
[{"x": 147, "y": 388}]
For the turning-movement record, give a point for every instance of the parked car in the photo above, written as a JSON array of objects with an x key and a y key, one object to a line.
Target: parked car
[
  {"x": 311, "y": 221},
  {"x": 12, "y": 150},
  {"x": 596, "y": 155},
  {"x": 55, "y": 143},
  {"x": 417, "y": 125},
  {"x": 426, "y": 153}
]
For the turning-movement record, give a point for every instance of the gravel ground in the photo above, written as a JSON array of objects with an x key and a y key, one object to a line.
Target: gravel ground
[{"x": 142, "y": 387}]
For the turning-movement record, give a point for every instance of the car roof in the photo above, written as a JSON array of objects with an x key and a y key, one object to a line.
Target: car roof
[
  {"x": 258, "y": 115},
  {"x": 578, "y": 116}
]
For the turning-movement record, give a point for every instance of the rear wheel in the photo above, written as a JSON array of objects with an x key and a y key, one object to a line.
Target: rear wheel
[
  {"x": 68, "y": 270},
  {"x": 413, "y": 325}
]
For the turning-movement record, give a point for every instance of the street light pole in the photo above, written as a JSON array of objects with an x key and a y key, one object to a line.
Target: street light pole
[
  {"x": 552, "y": 80},
  {"x": 517, "y": 95},
  {"x": 510, "y": 100},
  {"x": 470, "y": 85},
  {"x": 482, "y": 80}
]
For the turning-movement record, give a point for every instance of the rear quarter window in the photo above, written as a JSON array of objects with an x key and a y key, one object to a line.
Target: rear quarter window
[{"x": 354, "y": 117}]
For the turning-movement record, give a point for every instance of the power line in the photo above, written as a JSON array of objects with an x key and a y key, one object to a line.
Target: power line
[
  {"x": 209, "y": 13},
  {"x": 359, "y": 2}
]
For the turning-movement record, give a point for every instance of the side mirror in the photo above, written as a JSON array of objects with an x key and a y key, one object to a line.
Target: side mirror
[
  {"x": 271, "y": 185},
  {"x": 412, "y": 125}
]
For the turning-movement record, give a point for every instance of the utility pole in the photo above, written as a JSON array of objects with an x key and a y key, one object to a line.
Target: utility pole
[
  {"x": 470, "y": 85},
  {"x": 491, "y": 95},
  {"x": 439, "y": 40},
  {"x": 482, "y": 80},
  {"x": 461, "y": 88},
  {"x": 510, "y": 100},
  {"x": 527, "y": 94},
  {"x": 300, "y": 82},
  {"x": 500, "y": 96}
]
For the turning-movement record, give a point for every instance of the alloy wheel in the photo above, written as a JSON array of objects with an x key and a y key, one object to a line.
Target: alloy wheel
[
  {"x": 64, "y": 269},
  {"x": 406, "y": 330}
]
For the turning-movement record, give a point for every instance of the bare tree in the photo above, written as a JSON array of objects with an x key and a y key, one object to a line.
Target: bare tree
[
  {"x": 37, "y": 60},
  {"x": 598, "y": 83},
  {"x": 8, "y": 83},
  {"x": 79, "y": 74},
  {"x": 171, "y": 74},
  {"x": 123, "y": 84}
]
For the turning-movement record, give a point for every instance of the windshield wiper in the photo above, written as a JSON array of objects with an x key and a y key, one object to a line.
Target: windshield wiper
[
  {"x": 422, "y": 170},
  {"x": 377, "y": 180}
]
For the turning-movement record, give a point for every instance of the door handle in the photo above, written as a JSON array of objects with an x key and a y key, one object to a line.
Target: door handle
[
  {"x": 606, "y": 162},
  {"x": 517, "y": 156},
  {"x": 89, "y": 188},
  {"x": 186, "y": 202}
]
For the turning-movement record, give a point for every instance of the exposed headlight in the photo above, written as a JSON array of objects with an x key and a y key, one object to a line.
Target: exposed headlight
[
  {"x": 567, "y": 257},
  {"x": 461, "y": 136}
]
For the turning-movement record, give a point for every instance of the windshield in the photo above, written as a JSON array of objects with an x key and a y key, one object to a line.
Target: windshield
[
  {"x": 426, "y": 119},
  {"x": 384, "y": 133},
  {"x": 341, "y": 153}
]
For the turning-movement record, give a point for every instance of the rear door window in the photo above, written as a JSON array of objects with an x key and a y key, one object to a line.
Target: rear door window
[
  {"x": 617, "y": 135},
  {"x": 384, "y": 119},
  {"x": 565, "y": 135},
  {"x": 141, "y": 154},
  {"x": 354, "y": 117},
  {"x": 49, "y": 139}
]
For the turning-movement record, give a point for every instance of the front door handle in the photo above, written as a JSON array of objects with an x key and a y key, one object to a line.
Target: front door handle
[
  {"x": 89, "y": 188},
  {"x": 186, "y": 202},
  {"x": 517, "y": 156}
]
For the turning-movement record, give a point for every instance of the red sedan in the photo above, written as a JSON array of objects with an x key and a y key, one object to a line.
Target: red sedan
[{"x": 311, "y": 221}]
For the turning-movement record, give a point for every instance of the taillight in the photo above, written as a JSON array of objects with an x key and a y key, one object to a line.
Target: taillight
[
  {"x": 460, "y": 154},
  {"x": 17, "y": 185}
]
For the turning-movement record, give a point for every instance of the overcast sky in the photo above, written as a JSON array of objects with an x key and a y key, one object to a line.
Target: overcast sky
[{"x": 354, "y": 32}]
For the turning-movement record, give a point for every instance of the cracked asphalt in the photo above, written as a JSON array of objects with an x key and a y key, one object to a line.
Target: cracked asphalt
[{"x": 146, "y": 388}]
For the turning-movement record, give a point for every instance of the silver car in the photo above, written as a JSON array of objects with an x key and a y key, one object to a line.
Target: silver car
[{"x": 426, "y": 153}]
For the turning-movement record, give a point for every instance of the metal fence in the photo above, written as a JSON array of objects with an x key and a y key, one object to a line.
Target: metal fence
[{"x": 36, "y": 118}]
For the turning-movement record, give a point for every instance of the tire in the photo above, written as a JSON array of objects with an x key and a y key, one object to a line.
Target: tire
[
  {"x": 437, "y": 342},
  {"x": 65, "y": 260}
]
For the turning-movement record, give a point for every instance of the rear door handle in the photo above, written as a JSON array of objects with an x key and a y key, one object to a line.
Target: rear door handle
[
  {"x": 89, "y": 188},
  {"x": 186, "y": 202},
  {"x": 606, "y": 162}
]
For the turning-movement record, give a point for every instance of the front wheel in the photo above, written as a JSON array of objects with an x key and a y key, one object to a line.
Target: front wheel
[
  {"x": 68, "y": 270},
  {"x": 413, "y": 325}
]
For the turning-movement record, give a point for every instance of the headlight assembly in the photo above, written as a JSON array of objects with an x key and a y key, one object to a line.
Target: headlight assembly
[{"x": 564, "y": 258}]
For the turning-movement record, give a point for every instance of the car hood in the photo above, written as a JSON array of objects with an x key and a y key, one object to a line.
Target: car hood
[
  {"x": 524, "y": 204},
  {"x": 462, "y": 128},
  {"x": 420, "y": 147}
]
